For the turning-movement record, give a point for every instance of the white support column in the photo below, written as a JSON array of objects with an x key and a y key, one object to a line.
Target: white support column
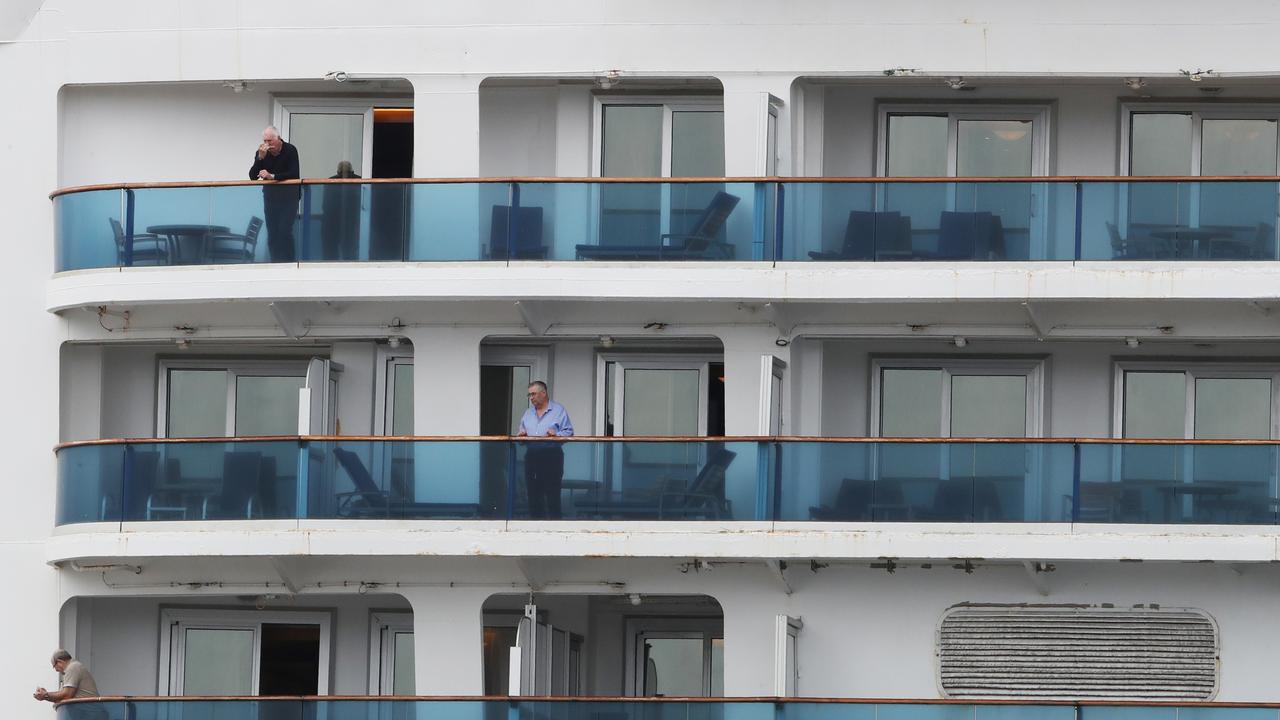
[
  {"x": 81, "y": 392},
  {"x": 746, "y": 110},
  {"x": 749, "y": 630},
  {"x": 744, "y": 349},
  {"x": 446, "y": 374},
  {"x": 446, "y": 126},
  {"x": 573, "y": 131},
  {"x": 448, "y": 637}
]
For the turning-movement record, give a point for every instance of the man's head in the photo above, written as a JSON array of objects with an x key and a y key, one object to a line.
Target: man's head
[
  {"x": 538, "y": 393},
  {"x": 60, "y": 659},
  {"x": 271, "y": 138}
]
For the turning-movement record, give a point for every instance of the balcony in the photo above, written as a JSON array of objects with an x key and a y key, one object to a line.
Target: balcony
[
  {"x": 396, "y": 708},
  {"x": 756, "y": 220},
  {"x": 760, "y": 480}
]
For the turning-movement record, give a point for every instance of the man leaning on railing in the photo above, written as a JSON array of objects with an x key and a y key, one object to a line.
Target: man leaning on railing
[{"x": 74, "y": 681}]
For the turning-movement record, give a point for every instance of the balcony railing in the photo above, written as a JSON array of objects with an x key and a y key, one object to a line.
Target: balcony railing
[
  {"x": 717, "y": 219},
  {"x": 728, "y": 479},
  {"x": 421, "y": 708}
]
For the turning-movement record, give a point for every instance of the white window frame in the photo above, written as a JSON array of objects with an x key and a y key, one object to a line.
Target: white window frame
[
  {"x": 384, "y": 384},
  {"x": 1034, "y": 369},
  {"x": 708, "y": 628},
  {"x": 173, "y": 621},
  {"x": 1193, "y": 371},
  {"x": 235, "y": 369},
  {"x": 283, "y": 107},
  {"x": 1039, "y": 115},
  {"x": 383, "y": 627},
  {"x": 649, "y": 361},
  {"x": 670, "y": 104},
  {"x": 1199, "y": 112}
]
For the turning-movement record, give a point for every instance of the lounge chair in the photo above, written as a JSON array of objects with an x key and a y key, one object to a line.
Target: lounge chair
[
  {"x": 370, "y": 501},
  {"x": 148, "y": 249},
  {"x": 872, "y": 236},
  {"x": 525, "y": 244},
  {"x": 861, "y": 499},
  {"x": 699, "y": 243},
  {"x": 701, "y": 498},
  {"x": 969, "y": 236},
  {"x": 231, "y": 248}
]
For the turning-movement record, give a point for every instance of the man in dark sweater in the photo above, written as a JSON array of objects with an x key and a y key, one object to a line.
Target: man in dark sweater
[{"x": 278, "y": 160}]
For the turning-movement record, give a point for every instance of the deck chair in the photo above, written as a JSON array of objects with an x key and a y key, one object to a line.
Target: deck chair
[
  {"x": 699, "y": 243},
  {"x": 233, "y": 248},
  {"x": 148, "y": 249},
  {"x": 969, "y": 236},
  {"x": 869, "y": 235},
  {"x": 241, "y": 480},
  {"x": 861, "y": 499},
  {"x": 703, "y": 497},
  {"x": 527, "y": 243},
  {"x": 370, "y": 501}
]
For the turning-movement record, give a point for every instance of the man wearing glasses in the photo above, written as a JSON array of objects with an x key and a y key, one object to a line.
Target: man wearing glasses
[{"x": 544, "y": 461}]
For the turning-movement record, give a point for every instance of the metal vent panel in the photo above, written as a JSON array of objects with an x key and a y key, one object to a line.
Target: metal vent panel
[{"x": 1077, "y": 652}]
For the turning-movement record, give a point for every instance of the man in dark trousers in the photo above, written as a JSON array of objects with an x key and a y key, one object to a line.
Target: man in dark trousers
[
  {"x": 544, "y": 461},
  {"x": 278, "y": 160}
]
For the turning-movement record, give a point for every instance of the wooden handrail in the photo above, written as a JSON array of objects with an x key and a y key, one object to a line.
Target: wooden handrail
[
  {"x": 667, "y": 438},
  {"x": 615, "y": 699},
  {"x": 695, "y": 180}
]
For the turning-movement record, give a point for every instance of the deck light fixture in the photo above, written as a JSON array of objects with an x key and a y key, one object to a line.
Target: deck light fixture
[
  {"x": 336, "y": 75},
  {"x": 960, "y": 341},
  {"x": 1132, "y": 342},
  {"x": 1135, "y": 83},
  {"x": 956, "y": 83},
  {"x": 1197, "y": 75},
  {"x": 609, "y": 80},
  {"x": 393, "y": 341}
]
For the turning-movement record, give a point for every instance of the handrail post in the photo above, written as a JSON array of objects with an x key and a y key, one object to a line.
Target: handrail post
[
  {"x": 1075, "y": 482},
  {"x": 126, "y": 473},
  {"x": 777, "y": 479},
  {"x": 1079, "y": 239},
  {"x": 779, "y": 211},
  {"x": 513, "y": 221},
  {"x": 304, "y": 472},
  {"x": 511, "y": 478},
  {"x": 757, "y": 223},
  {"x": 128, "y": 227},
  {"x": 301, "y": 253}
]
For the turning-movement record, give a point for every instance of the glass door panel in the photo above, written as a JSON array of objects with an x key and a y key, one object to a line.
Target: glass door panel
[
  {"x": 402, "y": 671},
  {"x": 673, "y": 667},
  {"x": 1243, "y": 213},
  {"x": 197, "y": 404},
  {"x": 631, "y": 146},
  {"x": 697, "y": 150},
  {"x": 402, "y": 399},
  {"x": 910, "y": 404},
  {"x": 1232, "y": 408},
  {"x": 267, "y": 405},
  {"x": 660, "y": 402},
  {"x": 998, "y": 148},
  {"x": 917, "y": 146},
  {"x": 1155, "y": 404},
  {"x": 217, "y": 662},
  {"x": 988, "y": 406},
  {"x": 326, "y": 139}
]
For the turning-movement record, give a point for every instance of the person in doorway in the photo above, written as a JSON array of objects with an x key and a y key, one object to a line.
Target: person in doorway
[
  {"x": 274, "y": 161},
  {"x": 544, "y": 461},
  {"x": 340, "y": 222},
  {"x": 74, "y": 680}
]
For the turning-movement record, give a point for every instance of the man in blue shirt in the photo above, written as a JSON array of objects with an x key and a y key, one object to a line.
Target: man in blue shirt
[{"x": 544, "y": 461}]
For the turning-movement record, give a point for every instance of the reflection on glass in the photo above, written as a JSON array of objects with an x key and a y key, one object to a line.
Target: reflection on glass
[
  {"x": 217, "y": 662},
  {"x": 1238, "y": 147},
  {"x": 988, "y": 406},
  {"x": 1160, "y": 144},
  {"x": 197, "y": 405},
  {"x": 697, "y": 144},
  {"x": 917, "y": 146},
  {"x": 660, "y": 402},
  {"x": 993, "y": 148},
  {"x": 1155, "y": 404},
  {"x": 402, "y": 400},
  {"x": 326, "y": 139},
  {"x": 1233, "y": 408},
  {"x": 717, "y": 664},
  {"x": 673, "y": 667},
  {"x": 403, "y": 681},
  {"x": 910, "y": 403},
  {"x": 267, "y": 405},
  {"x": 632, "y": 142}
]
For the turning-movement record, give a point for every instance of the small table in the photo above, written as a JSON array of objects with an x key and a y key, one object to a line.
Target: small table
[
  {"x": 187, "y": 241},
  {"x": 1198, "y": 491},
  {"x": 1195, "y": 236}
]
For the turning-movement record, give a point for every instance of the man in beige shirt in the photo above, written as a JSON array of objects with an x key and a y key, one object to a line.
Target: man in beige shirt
[{"x": 74, "y": 680}]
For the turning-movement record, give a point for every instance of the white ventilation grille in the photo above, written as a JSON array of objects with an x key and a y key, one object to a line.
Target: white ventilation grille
[{"x": 1077, "y": 652}]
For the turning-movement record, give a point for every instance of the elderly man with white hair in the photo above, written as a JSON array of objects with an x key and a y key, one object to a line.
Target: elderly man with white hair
[
  {"x": 74, "y": 680},
  {"x": 274, "y": 161}
]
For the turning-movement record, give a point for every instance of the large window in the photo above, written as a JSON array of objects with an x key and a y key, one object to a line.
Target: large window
[
  {"x": 675, "y": 657},
  {"x": 219, "y": 399},
  {"x": 957, "y": 398},
  {"x": 1203, "y": 402},
  {"x": 242, "y": 652},
  {"x": 391, "y": 656}
]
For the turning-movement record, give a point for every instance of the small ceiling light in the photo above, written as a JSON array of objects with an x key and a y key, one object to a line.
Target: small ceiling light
[
  {"x": 1197, "y": 75},
  {"x": 900, "y": 72},
  {"x": 956, "y": 83},
  {"x": 237, "y": 86},
  {"x": 607, "y": 341},
  {"x": 782, "y": 342},
  {"x": 635, "y": 598},
  {"x": 960, "y": 341},
  {"x": 1135, "y": 83},
  {"x": 393, "y": 341},
  {"x": 183, "y": 343},
  {"x": 1132, "y": 342},
  {"x": 336, "y": 76},
  {"x": 609, "y": 80}
]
